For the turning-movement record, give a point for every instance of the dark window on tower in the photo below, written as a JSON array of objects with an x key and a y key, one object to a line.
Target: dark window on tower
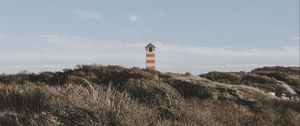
[{"x": 150, "y": 50}]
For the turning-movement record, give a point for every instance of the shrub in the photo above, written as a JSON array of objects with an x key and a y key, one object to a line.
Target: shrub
[
  {"x": 223, "y": 77},
  {"x": 20, "y": 100},
  {"x": 191, "y": 90},
  {"x": 253, "y": 78}
]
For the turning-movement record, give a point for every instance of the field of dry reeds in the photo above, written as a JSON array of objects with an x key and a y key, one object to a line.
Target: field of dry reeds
[{"x": 114, "y": 95}]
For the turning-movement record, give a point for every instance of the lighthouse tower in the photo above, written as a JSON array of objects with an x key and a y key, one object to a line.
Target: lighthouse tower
[{"x": 150, "y": 56}]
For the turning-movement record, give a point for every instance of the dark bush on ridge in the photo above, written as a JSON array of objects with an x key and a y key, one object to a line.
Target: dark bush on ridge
[
  {"x": 264, "y": 82},
  {"x": 94, "y": 73},
  {"x": 223, "y": 77},
  {"x": 253, "y": 78},
  {"x": 27, "y": 101},
  {"x": 189, "y": 90},
  {"x": 290, "y": 75}
]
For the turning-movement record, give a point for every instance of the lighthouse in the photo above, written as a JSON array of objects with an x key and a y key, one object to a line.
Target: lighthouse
[{"x": 150, "y": 56}]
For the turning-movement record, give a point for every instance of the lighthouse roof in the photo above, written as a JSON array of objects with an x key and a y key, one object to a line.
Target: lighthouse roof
[{"x": 150, "y": 45}]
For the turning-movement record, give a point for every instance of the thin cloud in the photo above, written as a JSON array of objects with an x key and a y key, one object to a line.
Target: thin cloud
[
  {"x": 237, "y": 14},
  {"x": 199, "y": 59},
  {"x": 134, "y": 18},
  {"x": 87, "y": 14},
  {"x": 170, "y": 57},
  {"x": 2, "y": 36},
  {"x": 296, "y": 38},
  {"x": 130, "y": 35},
  {"x": 81, "y": 13},
  {"x": 162, "y": 14},
  {"x": 74, "y": 42},
  {"x": 2, "y": 18}
]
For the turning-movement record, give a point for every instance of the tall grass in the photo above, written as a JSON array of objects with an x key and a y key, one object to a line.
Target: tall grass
[{"x": 91, "y": 96}]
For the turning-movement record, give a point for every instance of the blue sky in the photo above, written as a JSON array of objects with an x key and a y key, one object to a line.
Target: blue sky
[{"x": 195, "y": 36}]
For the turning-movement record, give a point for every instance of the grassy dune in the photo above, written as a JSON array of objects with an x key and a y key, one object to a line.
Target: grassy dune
[{"x": 113, "y": 95}]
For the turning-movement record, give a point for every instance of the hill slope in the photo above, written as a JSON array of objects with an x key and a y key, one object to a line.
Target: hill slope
[
  {"x": 267, "y": 79},
  {"x": 113, "y": 95}
]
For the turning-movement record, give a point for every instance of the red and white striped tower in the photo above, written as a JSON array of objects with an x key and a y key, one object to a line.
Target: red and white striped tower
[{"x": 150, "y": 56}]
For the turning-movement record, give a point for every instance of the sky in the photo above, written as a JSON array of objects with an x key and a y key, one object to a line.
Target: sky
[{"x": 194, "y": 36}]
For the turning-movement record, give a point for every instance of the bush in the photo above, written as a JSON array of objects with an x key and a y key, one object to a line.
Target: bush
[
  {"x": 223, "y": 77},
  {"x": 253, "y": 78},
  {"x": 191, "y": 90},
  {"x": 26, "y": 101}
]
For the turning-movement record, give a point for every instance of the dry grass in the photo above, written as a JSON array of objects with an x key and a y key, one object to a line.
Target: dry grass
[
  {"x": 70, "y": 105},
  {"x": 291, "y": 75},
  {"x": 114, "y": 95},
  {"x": 264, "y": 82}
]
